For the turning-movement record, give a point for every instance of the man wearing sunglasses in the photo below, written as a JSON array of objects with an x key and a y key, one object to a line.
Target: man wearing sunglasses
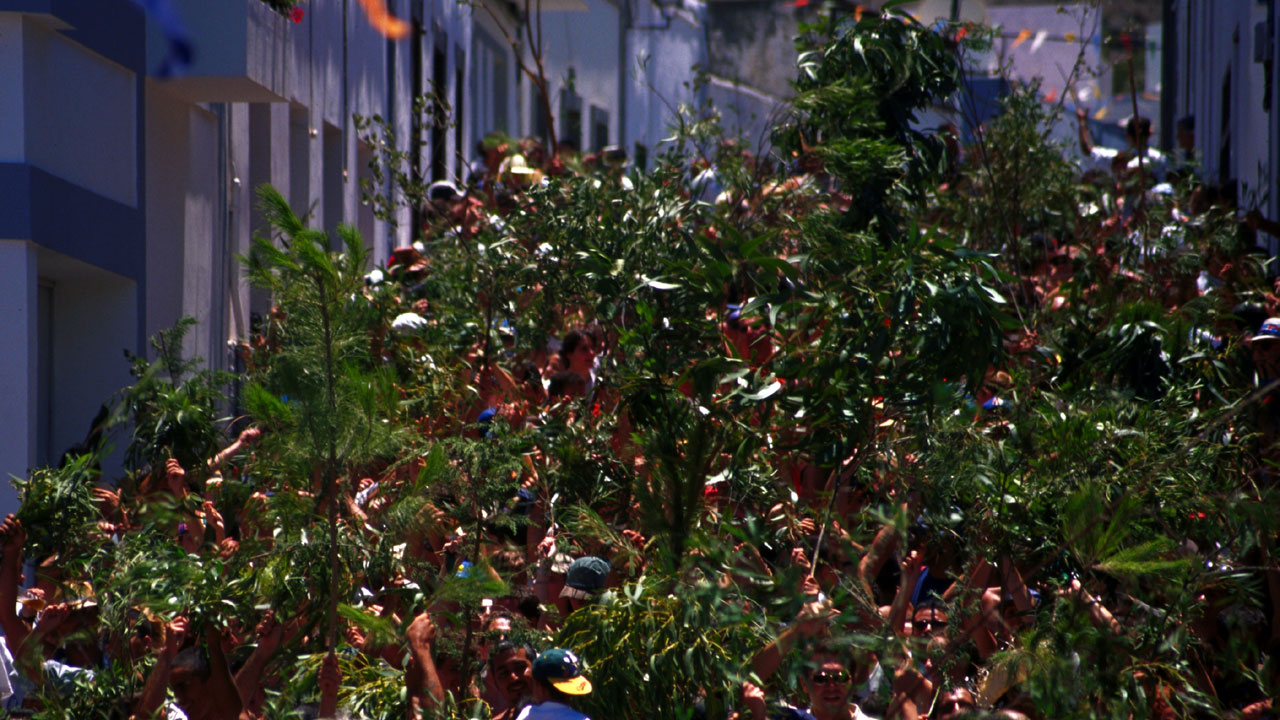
[
  {"x": 830, "y": 687},
  {"x": 828, "y": 683}
]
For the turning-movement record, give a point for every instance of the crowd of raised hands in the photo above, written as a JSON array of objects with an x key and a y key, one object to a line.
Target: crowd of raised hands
[{"x": 943, "y": 614}]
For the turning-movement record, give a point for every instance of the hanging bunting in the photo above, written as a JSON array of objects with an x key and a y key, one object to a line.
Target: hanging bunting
[
  {"x": 383, "y": 21},
  {"x": 1069, "y": 37},
  {"x": 1040, "y": 38},
  {"x": 1023, "y": 34},
  {"x": 178, "y": 57},
  {"x": 1051, "y": 96},
  {"x": 857, "y": 13}
]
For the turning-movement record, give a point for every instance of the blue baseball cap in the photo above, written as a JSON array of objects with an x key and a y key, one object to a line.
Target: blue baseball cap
[{"x": 561, "y": 668}]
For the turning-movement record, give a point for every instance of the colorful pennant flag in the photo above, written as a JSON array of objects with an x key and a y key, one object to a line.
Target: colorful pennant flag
[
  {"x": 1040, "y": 38},
  {"x": 1023, "y": 34},
  {"x": 383, "y": 21},
  {"x": 178, "y": 57}
]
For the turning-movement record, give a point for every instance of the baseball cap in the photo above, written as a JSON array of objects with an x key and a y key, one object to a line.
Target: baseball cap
[
  {"x": 1270, "y": 330},
  {"x": 442, "y": 190},
  {"x": 585, "y": 577},
  {"x": 563, "y": 670}
]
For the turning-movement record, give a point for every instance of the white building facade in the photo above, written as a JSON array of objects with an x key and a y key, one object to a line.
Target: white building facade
[
  {"x": 126, "y": 196},
  {"x": 1224, "y": 61}
]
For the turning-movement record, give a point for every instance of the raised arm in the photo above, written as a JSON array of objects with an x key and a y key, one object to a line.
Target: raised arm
[
  {"x": 912, "y": 566},
  {"x": 166, "y": 641},
  {"x": 812, "y": 620},
  {"x": 225, "y": 701},
  {"x": 882, "y": 547},
  {"x": 15, "y": 631},
  {"x": 247, "y": 438},
  {"x": 1082, "y": 131},
  {"x": 421, "y": 680},
  {"x": 1101, "y": 615},
  {"x": 249, "y": 679}
]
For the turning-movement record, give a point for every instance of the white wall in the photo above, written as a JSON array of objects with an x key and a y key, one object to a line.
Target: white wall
[
  {"x": 68, "y": 91},
  {"x": 1207, "y": 52},
  {"x": 18, "y": 358},
  {"x": 204, "y": 294},
  {"x": 660, "y": 71},
  {"x": 589, "y": 43},
  {"x": 188, "y": 258},
  {"x": 167, "y": 147}
]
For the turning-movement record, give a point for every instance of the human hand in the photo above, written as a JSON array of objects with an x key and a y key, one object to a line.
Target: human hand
[
  {"x": 33, "y": 599},
  {"x": 753, "y": 700},
  {"x": 799, "y": 558},
  {"x": 912, "y": 567},
  {"x": 909, "y": 683},
  {"x": 814, "y": 618},
  {"x": 227, "y": 547},
  {"x": 809, "y": 587},
  {"x": 53, "y": 616},
  {"x": 13, "y": 534},
  {"x": 175, "y": 477},
  {"x": 105, "y": 531},
  {"x": 172, "y": 635},
  {"x": 269, "y": 631},
  {"x": 422, "y": 631},
  {"x": 635, "y": 538},
  {"x": 547, "y": 547},
  {"x": 455, "y": 541},
  {"x": 214, "y": 518},
  {"x": 249, "y": 436},
  {"x": 107, "y": 501},
  {"x": 1072, "y": 589},
  {"x": 213, "y": 486},
  {"x": 355, "y": 638}
]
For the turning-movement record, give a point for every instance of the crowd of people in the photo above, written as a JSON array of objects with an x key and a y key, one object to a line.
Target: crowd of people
[{"x": 943, "y": 614}]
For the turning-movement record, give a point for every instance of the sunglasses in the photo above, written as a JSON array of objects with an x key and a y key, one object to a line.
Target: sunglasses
[
  {"x": 823, "y": 677},
  {"x": 928, "y": 624}
]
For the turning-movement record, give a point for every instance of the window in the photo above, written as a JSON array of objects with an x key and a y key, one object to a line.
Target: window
[
  {"x": 459, "y": 91},
  {"x": 488, "y": 85},
  {"x": 537, "y": 114},
  {"x": 641, "y": 157},
  {"x": 599, "y": 128},
  {"x": 440, "y": 121},
  {"x": 334, "y": 182},
  {"x": 570, "y": 119},
  {"x": 300, "y": 160},
  {"x": 416, "y": 115}
]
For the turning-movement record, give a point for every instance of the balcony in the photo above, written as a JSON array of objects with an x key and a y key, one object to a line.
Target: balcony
[{"x": 239, "y": 51}]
